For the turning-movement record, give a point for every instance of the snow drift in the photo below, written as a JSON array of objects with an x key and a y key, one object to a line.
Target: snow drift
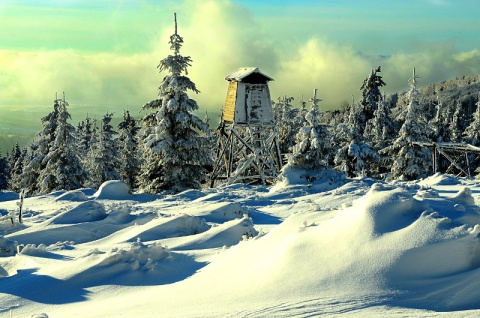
[{"x": 326, "y": 246}]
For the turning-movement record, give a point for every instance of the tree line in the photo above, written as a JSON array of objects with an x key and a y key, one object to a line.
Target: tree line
[{"x": 171, "y": 149}]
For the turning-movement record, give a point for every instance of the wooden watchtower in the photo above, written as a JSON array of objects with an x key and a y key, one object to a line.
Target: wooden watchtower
[{"x": 247, "y": 149}]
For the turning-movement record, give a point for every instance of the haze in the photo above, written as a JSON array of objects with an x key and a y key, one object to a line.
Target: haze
[{"x": 104, "y": 55}]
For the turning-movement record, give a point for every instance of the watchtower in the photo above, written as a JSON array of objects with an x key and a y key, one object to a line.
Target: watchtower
[{"x": 247, "y": 149}]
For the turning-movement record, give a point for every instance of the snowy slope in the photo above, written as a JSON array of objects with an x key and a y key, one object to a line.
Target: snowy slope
[{"x": 350, "y": 247}]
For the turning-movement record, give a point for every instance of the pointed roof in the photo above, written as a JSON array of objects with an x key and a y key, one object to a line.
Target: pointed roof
[{"x": 244, "y": 72}]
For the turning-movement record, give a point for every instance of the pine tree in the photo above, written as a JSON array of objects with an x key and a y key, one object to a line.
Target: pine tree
[
  {"x": 411, "y": 160},
  {"x": 287, "y": 123},
  {"x": 353, "y": 156},
  {"x": 128, "y": 150},
  {"x": 62, "y": 168},
  {"x": 472, "y": 133},
  {"x": 379, "y": 133},
  {"x": 40, "y": 146},
  {"x": 175, "y": 151},
  {"x": 439, "y": 122},
  {"x": 454, "y": 129},
  {"x": 84, "y": 135},
  {"x": 312, "y": 149},
  {"x": 371, "y": 96},
  {"x": 4, "y": 173},
  {"x": 104, "y": 158},
  {"x": 16, "y": 162}
]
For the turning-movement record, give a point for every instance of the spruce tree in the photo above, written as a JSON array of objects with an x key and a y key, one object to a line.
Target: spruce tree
[
  {"x": 4, "y": 173},
  {"x": 371, "y": 96},
  {"x": 312, "y": 149},
  {"x": 16, "y": 163},
  {"x": 38, "y": 149},
  {"x": 411, "y": 160},
  {"x": 379, "y": 132},
  {"x": 176, "y": 154},
  {"x": 454, "y": 129},
  {"x": 128, "y": 150},
  {"x": 84, "y": 135},
  {"x": 287, "y": 123},
  {"x": 104, "y": 159},
  {"x": 62, "y": 168},
  {"x": 353, "y": 156},
  {"x": 472, "y": 132},
  {"x": 438, "y": 124}
]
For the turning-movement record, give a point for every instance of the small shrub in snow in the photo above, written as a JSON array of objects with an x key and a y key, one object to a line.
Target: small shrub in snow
[
  {"x": 7, "y": 247},
  {"x": 139, "y": 256},
  {"x": 32, "y": 249}
]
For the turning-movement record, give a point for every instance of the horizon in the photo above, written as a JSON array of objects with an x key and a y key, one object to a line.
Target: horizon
[{"x": 104, "y": 54}]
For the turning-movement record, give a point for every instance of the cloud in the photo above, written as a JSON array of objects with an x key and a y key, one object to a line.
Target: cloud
[
  {"x": 336, "y": 71},
  {"x": 95, "y": 79},
  {"x": 220, "y": 36}
]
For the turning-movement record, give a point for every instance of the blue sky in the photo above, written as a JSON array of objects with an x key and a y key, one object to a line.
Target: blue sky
[{"x": 104, "y": 54}]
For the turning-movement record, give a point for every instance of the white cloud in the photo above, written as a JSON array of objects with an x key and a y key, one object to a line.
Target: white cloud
[{"x": 220, "y": 36}]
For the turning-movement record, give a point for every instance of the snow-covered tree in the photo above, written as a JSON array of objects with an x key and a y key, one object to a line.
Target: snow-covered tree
[
  {"x": 312, "y": 149},
  {"x": 16, "y": 162},
  {"x": 62, "y": 168},
  {"x": 439, "y": 123},
  {"x": 371, "y": 96},
  {"x": 353, "y": 156},
  {"x": 4, "y": 173},
  {"x": 84, "y": 135},
  {"x": 378, "y": 134},
  {"x": 286, "y": 117},
  {"x": 455, "y": 129},
  {"x": 410, "y": 159},
  {"x": 380, "y": 129},
  {"x": 104, "y": 159},
  {"x": 128, "y": 149},
  {"x": 176, "y": 152},
  {"x": 40, "y": 146},
  {"x": 472, "y": 132}
]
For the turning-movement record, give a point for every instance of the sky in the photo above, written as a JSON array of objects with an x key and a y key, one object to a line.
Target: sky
[{"x": 104, "y": 54}]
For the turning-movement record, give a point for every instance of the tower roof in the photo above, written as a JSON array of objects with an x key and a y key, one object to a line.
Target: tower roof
[{"x": 244, "y": 72}]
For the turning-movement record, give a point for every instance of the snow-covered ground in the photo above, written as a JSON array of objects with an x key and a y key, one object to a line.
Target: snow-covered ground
[{"x": 337, "y": 247}]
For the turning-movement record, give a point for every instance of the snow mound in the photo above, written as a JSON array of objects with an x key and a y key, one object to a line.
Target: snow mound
[
  {"x": 384, "y": 209},
  {"x": 464, "y": 196},
  {"x": 7, "y": 247},
  {"x": 74, "y": 195},
  {"x": 175, "y": 226},
  {"x": 190, "y": 194},
  {"x": 138, "y": 264},
  {"x": 89, "y": 211},
  {"x": 319, "y": 180},
  {"x": 160, "y": 228},
  {"x": 226, "y": 234},
  {"x": 439, "y": 179},
  {"x": 113, "y": 190},
  {"x": 217, "y": 212},
  {"x": 385, "y": 243}
]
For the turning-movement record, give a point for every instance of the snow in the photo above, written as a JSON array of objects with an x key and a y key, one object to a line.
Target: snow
[
  {"x": 113, "y": 190},
  {"x": 326, "y": 246}
]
